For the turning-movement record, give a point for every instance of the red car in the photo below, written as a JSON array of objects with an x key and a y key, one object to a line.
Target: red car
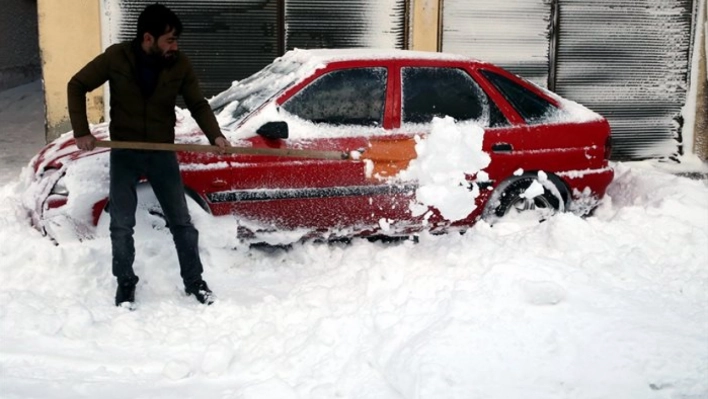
[{"x": 373, "y": 106}]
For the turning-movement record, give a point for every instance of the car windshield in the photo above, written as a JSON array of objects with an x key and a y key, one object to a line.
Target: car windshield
[{"x": 243, "y": 97}]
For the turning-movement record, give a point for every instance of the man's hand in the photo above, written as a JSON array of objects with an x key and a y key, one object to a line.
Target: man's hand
[
  {"x": 222, "y": 143},
  {"x": 86, "y": 143}
]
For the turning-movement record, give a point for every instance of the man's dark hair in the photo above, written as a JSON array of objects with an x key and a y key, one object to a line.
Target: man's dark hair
[{"x": 157, "y": 20}]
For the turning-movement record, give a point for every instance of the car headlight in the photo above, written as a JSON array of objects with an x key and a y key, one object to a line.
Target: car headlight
[{"x": 60, "y": 187}]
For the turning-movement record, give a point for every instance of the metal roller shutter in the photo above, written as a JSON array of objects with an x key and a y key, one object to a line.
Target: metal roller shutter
[
  {"x": 226, "y": 40},
  {"x": 229, "y": 40},
  {"x": 628, "y": 60},
  {"x": 340, "y": 24},
  {"x": 514, "y": 34}
]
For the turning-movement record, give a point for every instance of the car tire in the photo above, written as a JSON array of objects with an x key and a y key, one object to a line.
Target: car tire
[{"x": 510, "y": 199}]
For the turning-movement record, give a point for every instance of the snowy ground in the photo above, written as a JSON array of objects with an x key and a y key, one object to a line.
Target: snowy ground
[{"x": 611, "y": 306}]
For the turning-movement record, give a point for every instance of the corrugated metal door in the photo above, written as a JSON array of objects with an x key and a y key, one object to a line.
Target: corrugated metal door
[
  {"x": 628, "y": 60},
  {"x": 226, "y": 40},
  {"x": 339, "y": 24},
  {"x": 514, "y": 34},
  {"x": 229, "y": 40}
]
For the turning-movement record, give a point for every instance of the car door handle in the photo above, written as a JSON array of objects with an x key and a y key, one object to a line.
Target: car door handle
[{"x": 502, "y": 147}]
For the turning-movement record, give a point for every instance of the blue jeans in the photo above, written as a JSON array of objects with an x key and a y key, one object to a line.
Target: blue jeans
[{"x": 162, "y": 172}]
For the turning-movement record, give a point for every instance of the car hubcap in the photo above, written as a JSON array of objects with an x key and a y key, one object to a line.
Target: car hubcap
[{"x": 539, "y": 205}]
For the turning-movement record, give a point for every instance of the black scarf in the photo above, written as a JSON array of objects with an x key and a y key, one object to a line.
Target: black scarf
[{"x": 148, "y": 67}]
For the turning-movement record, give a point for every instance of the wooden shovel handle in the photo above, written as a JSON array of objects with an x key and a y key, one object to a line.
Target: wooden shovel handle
[{"x": 278, "y": 152}]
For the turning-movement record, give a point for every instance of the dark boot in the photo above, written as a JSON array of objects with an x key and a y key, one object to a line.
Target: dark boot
[
  {"x": 201, "y": 291},
  {"x": 125, "y": 293}
]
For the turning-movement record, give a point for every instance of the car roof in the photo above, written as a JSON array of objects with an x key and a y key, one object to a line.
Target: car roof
[{"x": 326, "y": 56}]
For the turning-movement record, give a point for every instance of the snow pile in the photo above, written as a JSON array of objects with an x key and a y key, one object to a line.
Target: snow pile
[
  {"x": 445, "y": 157},
  {"x": 610, "y": 306}
]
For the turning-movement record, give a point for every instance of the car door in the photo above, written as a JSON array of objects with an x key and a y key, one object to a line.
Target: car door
[
  {"x": 333, "y": 110},
  {"x": 429, "y": 90},
  {"x": 554, "y": 142}
]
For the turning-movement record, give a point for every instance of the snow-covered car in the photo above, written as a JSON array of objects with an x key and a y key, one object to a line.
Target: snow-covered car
[{"x": 430, "y": 141}]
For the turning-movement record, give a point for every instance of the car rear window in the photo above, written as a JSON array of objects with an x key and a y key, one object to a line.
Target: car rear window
[
  {"x": 437, "y": 92},
  {"x": 343, "y": 97},
  {"x": 532, "y": 107}
]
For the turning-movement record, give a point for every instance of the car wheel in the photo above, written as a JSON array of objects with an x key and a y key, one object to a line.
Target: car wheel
[{"x": 519, "y": 199}]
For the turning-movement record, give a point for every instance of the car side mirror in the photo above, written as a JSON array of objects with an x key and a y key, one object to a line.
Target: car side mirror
[{"x": 274, "y": 130}]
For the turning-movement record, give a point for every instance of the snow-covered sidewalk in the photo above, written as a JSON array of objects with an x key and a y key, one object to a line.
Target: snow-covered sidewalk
[{"x": 611, "y": 306}]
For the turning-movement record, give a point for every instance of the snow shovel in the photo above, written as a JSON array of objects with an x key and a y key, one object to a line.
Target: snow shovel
[
  {"x": 281, "y": 152},
  {"x": 379, "y": 150}
]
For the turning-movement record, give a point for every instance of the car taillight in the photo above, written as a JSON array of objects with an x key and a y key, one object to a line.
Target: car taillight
[{"x": 608, "y": 148}]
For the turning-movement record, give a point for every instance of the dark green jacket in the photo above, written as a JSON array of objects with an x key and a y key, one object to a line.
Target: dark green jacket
[{"x": 133, "y": 116}]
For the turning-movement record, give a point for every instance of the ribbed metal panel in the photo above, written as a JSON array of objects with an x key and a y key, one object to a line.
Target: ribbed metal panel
[
  {"x": 341, "y": 24},
  {"x": 628, "y": 60},
  {"x": 229, "y": 40},
  {"x": 514, "y": 34},
  {"x": 226, "y": 40}
]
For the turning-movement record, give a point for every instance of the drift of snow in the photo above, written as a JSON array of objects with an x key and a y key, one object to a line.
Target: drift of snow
[
  {"x": 600, "y": 307},
  {"x": 444, "y": 157},
  {"x": 610, "y": 306}
]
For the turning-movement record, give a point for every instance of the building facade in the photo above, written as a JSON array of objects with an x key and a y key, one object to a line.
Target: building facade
[{"x": 640, "y": 63}]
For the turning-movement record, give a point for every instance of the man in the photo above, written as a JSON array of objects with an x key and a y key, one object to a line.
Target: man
[{"x": 145, "y": 77}]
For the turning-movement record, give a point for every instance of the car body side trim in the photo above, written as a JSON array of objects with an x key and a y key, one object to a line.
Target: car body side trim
[
  {"x": 304, "y": 193},
  {"x": 325, "y": 192}
]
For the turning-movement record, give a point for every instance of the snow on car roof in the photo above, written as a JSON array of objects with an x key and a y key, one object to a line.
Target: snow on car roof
[
  {"x": 349, "y": 54},
  {"x": 246, "y": 95},
  {"x": 575, "y": 112},
  {"x": 243, "y": 97}
]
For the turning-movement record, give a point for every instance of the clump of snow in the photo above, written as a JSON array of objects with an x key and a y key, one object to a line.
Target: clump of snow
[
  {"x": 543, "y": 293},
  {"x": 533, "y": 191},
  {"x": 444, "y": 159},
  {"x": 176, "y": 370},
  {"x": 385, "y": 224},
  {"x": 218, "y": 356}
]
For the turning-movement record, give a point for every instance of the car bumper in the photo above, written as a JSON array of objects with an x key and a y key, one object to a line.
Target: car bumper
[{"x": 587, "y": 188}]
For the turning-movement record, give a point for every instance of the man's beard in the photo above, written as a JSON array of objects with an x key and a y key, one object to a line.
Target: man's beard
[{"x": 166, "y": 57}]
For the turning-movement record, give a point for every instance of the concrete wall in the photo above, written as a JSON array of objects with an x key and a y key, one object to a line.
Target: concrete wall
[
  {"x": 19, "y": 49},
  {"x": 425, "y": 24},
  {"x": 69, "y": 37},
  {"x": 700, "y": 140}
]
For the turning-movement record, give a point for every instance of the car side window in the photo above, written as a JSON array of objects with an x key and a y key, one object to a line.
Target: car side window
[
  {"x": 532, "y": 107},
  {"x": 344, "y": 97},
  {"x": 431, "y": 91}
]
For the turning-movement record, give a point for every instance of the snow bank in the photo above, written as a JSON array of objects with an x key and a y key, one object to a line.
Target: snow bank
[{"x": 614, "y": 305}]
